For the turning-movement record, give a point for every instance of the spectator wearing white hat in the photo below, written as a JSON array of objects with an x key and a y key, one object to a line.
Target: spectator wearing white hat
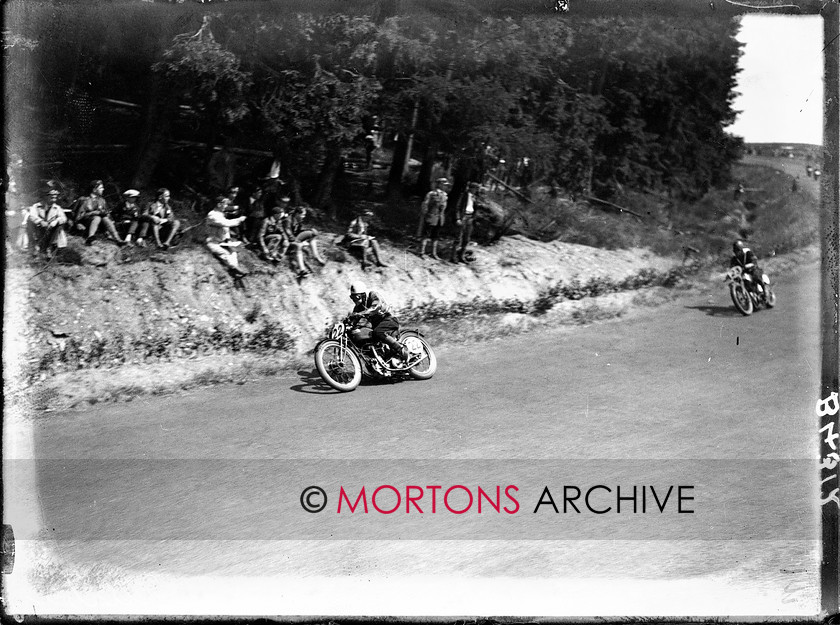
[{"x": 128, "y": 214}]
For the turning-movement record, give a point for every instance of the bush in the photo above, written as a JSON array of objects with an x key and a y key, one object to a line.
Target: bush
[{"x": 153, "y": 345}]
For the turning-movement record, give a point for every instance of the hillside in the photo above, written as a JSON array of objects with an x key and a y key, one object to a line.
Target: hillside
[
  {"x": 106, "y": 323},
  {"x": 182, "y": 306}
]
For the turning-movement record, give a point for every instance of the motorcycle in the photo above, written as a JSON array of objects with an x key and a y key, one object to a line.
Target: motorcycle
[
  {"x": 349, "y": 352},
  {"x": 746, "y": 293}
]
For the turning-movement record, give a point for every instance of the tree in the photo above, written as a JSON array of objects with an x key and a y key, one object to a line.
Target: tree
[{"x": 315, "y": 91}]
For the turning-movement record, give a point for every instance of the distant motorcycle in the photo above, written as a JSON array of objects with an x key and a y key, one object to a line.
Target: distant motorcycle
[
  {"x": 746, "y": 293},
  {"x": 349, "y": 352}
]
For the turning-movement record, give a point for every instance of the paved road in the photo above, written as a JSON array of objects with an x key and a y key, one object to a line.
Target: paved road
[
  {"x": 180, "y": 501},
  {"x": 792, "y": 166}
]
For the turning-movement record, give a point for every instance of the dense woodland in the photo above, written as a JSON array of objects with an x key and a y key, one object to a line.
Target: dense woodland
[{"x": 599, "y": 104}]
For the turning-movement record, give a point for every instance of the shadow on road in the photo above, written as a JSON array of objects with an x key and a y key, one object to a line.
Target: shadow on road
[
  {"x": 717, "y": 311},
  {"x": 312, "y": 383}
]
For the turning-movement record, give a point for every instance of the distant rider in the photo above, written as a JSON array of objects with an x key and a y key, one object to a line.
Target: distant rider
[
  {"x": 385, "y": 326},
  {"x": 745, "y": 258}
]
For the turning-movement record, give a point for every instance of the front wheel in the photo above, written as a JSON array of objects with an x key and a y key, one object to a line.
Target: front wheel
[
  {"x": 421, "y": 354},
  {"x": 741, "y": 298},
  {"x": 339, "y": 366}
]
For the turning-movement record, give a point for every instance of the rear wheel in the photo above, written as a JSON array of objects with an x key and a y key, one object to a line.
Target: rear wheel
[
  {"x": 339, "y": 366},
  {"x": 742, "y": 300},
  {"x": 422, "y": 356}
]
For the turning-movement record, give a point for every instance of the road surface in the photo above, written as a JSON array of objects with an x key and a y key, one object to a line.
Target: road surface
[{"x": 190, "y": 503}]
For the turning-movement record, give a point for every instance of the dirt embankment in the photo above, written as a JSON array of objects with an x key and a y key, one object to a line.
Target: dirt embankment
[{"x": 148, "y": 321}]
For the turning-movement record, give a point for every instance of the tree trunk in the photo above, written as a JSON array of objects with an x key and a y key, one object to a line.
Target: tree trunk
[
  {"x": 424, "y": 179},
  {"x": 161, "y": 109},
  {"x": 384, "y": 10},
  {"x": 395, "y": 173},
  {"x": 325, "y": 180},
  {"x": 460, "y": 178}
]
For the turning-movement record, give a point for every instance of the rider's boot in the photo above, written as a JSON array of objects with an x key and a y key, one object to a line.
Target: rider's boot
[
  {"x": 396, "y": 347},
  {"x": 423, "y": 245},
  {"x": 434, "y": 250}
]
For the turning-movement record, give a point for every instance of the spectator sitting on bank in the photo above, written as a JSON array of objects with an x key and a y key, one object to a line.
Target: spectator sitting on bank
[
  {"x": 272, "y": 236},
  {"x": 218, "y": 236},
  {"x": 45, "y": 225},
  {"x": 127, "y": 214},
  {"x": 92, "y": 211},
  {"x": 357, "y": 237},
  {"x": 160, "y": 217},
  {"x": 300, "y": 236}
]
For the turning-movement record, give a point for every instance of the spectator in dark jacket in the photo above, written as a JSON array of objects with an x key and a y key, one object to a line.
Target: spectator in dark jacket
[
  {"x": 92, "y": 211},
  {"x": 160, "y": 217},
  {"x": 464, "y": 221}
]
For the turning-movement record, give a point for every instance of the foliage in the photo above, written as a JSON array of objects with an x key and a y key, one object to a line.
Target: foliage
[
  {"x": 209, "y": 77},
  {"x": 157, "y": 344},
  {"x": 600, "y": 105}
]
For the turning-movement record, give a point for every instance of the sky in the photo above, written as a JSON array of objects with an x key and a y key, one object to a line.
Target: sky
[{"x": 780, "y": 84}]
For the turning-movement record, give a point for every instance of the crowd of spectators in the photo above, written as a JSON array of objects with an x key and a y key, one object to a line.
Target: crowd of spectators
[{"x": 262, "y": 219}]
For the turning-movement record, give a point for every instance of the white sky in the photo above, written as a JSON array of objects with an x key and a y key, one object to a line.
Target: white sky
[{"x": 781, "y": 79}]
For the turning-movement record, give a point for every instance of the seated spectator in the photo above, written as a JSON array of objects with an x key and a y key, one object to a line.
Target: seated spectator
[
  {"x": 357, "y": 237},
  {"x": 45, "y": 225},
  {"x": 127, "y": 214},
  {"x": 161, "y": 218},
  {"x": 272, "y": 237},
  {"x": 92, "y": 211},
  {"x": 299, "y": 236},
  {"x": 218, "y": 236}
]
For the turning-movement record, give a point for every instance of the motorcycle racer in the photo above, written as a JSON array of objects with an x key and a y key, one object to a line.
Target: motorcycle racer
[
  {"x": 369, "y": 304},
  {"x": 745, "y": 258}
]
